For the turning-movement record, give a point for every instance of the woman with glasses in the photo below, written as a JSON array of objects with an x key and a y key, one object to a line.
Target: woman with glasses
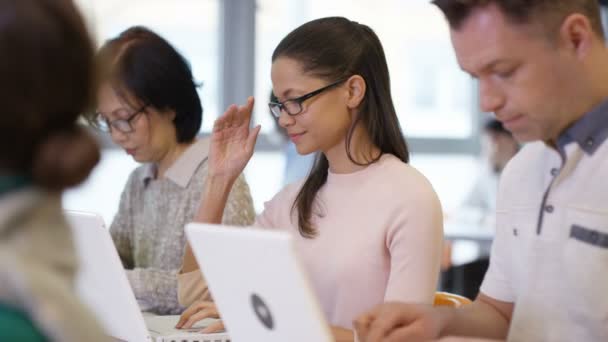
[
  {"x": 148, "y": 103},
  {"x": 367, "y": 226}
]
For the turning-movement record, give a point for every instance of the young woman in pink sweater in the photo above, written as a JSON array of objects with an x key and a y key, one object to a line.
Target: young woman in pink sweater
[{"x": 367, "y": 225}]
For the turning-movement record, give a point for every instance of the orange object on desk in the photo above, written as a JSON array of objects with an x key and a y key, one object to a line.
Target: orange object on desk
[{"x": 450, "y": 299}]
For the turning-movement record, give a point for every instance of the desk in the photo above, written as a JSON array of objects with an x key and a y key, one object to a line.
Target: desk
[
  {"x": 471, "y": 244},
  {"x": 476, "y": 240}
]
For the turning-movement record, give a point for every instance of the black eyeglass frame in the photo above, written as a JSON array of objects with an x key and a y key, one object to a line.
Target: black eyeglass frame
[
  {"x": 122, "y": 125},
  {"x": 296, "y": 104}
]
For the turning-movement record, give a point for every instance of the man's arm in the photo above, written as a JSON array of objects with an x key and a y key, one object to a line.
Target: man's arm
[{"x": 486, "y": 317}]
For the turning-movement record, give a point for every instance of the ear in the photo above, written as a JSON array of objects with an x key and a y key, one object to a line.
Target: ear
[
  {"x": 170, "y": 114},
  {"x": 356, "y": 91},
  {"x": 577, "y": 35}
]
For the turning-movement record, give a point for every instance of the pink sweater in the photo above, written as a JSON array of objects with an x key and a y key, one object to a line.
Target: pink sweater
[{"x": 379, "y": 239}]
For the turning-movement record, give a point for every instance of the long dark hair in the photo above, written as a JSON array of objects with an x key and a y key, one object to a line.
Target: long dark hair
[
  {"x": 46, "y": 81},
  {"x": 333, "y": 48}
]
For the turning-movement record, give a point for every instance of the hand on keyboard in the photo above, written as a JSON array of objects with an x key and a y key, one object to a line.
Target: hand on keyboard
[{"x": 197, "y": 312}]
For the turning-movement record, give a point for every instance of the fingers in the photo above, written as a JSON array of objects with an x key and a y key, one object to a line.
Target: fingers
[
  {"x": 407, "y": 333},
  {"x": 235, "y": 116},
  {"x": 243, "y": 115},
  {"x": 362, "y": 324},
  {"x": 224, "y": 120},
  {"x": 214, "y": 327},
  {"x": 362, "y": 329},
  {"x": 248, "y": 108},
  {"x": 251, "y": 139},
  {"x": 195, "y": 313},
  {"x": 389, "y": 317},
  {"x": 204, "y": 313},
  {"x": 378, "y": 329},
  {"x": 192, "y": 309}
]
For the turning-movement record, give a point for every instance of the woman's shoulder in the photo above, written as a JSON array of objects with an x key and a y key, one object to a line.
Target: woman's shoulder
[
  {"x": 277, "y": 211},
  {"x": 289, "y": 191},
  {"x": 402, "y": 184},
  {"x": 398, "y": 172},
  {"x": 282, "y": 202}
]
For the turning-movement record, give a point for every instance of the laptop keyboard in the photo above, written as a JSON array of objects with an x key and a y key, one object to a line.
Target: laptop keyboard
[{"x": 191, "y": 339}]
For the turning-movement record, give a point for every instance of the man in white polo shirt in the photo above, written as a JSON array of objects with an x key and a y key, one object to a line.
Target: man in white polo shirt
[{"x": 542, "y": 68}]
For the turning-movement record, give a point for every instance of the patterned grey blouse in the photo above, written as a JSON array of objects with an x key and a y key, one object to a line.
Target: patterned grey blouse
[{"x": 148, "y": 229}]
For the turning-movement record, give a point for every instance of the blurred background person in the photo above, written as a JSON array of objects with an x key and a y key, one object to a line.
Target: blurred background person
[
  {"x": 497, "y": 147},
  {"x": 465, "y": 262}
]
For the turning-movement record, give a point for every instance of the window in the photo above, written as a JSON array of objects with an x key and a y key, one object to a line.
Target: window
[
  {"x": 191, "y": 26},
  {"x": 434, "y": 99}
]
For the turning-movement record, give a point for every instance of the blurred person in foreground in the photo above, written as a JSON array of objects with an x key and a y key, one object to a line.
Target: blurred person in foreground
[{"x": 46, "y": 83}]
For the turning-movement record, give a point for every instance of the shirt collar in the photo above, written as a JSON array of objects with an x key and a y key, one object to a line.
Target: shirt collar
[
  {"x": 589, "y": 132},
  {"x": 184, "y": 167}
]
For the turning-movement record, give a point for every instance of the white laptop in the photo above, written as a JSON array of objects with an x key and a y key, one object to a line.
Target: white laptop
[
  {"x": 103, "y": 286},
  {"x": 258, "y": 284}
]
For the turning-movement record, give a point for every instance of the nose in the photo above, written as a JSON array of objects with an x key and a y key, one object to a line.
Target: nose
[
  {"x": 490, "y": 97},
  {"x": 286, "y": 120},
  {"x": 117, "y": 136}
]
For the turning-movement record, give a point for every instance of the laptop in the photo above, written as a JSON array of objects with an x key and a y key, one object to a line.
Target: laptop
[
  {"x": 258, "y": 284},
  {"x": 102, "y": 285}
]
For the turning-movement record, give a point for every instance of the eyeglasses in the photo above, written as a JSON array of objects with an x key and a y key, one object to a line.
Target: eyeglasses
[
  {"x": 122, "y": 125},
  {"x": 294, "y": 106}
]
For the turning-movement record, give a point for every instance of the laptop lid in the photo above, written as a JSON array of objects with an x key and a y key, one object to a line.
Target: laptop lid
[
  {"x": 103, "y": 285},
  {"x": 101, "y": 281},
  {"x": 258, "y": 284}
]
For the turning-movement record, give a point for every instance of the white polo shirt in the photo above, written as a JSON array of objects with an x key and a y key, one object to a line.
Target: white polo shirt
[{"x": 550, "y": 253}]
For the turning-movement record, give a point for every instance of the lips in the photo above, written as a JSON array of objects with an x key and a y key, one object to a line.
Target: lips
[
  {"x": 510, "y": 121},
  {"x": 296, "y": 136},
  {"x": 130, "y": 151}
]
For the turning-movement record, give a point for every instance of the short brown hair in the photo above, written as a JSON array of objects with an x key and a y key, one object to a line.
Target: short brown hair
[
  {"x": 142, "y": 64},
  {"x": 46, "y": 81},
  {"x": 551, "y": 13}
]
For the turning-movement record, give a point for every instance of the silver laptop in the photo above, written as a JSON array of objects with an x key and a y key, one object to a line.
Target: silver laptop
[
  {"x": 258, "y": 284},
  {"x": 103, "y": 286}
]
